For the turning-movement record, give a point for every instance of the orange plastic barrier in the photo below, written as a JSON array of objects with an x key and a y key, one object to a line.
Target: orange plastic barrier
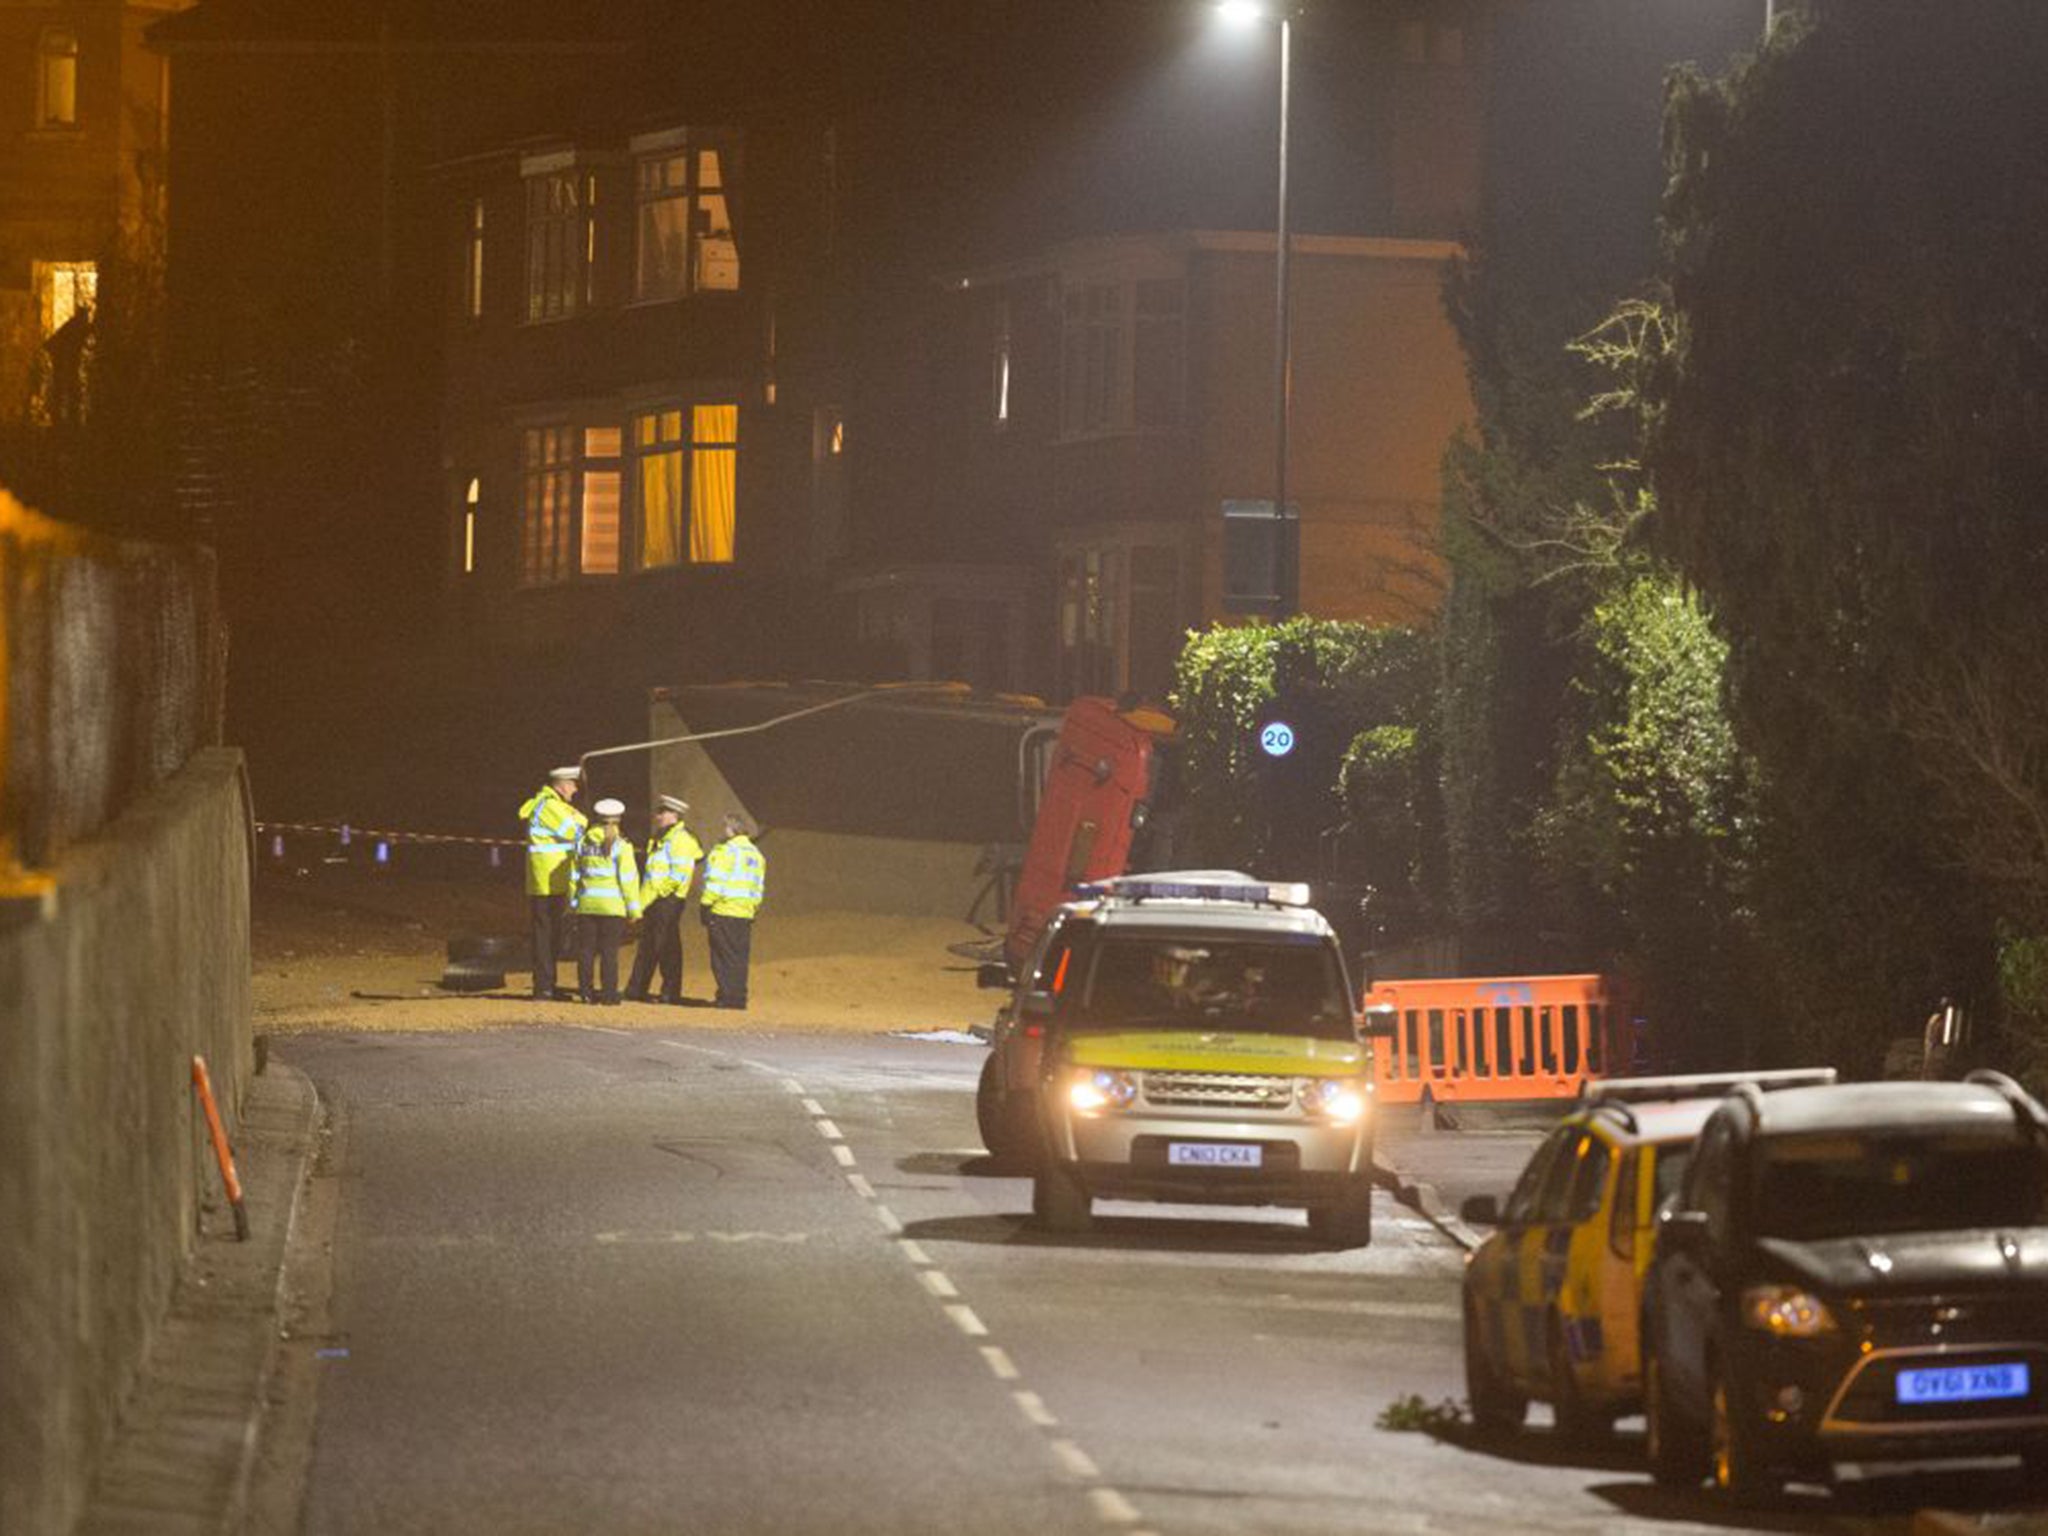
[{"x": 1490, "y": 1039}]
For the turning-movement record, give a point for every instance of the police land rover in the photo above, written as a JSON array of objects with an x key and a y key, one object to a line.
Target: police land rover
[{"x": 1202, "y": 1044}]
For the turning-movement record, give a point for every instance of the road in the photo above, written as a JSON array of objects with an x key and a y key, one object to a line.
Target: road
[{"x": 619, "y": 1282}]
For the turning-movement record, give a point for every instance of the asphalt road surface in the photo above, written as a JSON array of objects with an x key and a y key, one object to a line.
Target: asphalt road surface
[{"x": 601, "y": 1282}]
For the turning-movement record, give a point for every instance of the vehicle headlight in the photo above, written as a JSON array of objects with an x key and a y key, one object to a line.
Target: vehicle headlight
[
  {"x": 1095, "y": 1089},
  {"x": 1786, "y": 1311},
  {"x": 1340, "y": 1099}
]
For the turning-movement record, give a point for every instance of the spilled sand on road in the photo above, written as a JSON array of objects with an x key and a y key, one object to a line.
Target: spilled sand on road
[{"x": 345, "y": 948}]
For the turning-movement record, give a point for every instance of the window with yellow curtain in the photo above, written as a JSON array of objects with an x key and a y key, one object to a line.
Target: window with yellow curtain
[
  {"x": 658, "y": 486},
  {"x": 714, "y": 482}
]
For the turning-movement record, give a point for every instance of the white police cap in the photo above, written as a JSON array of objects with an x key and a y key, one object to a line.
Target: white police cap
[
  {"x": 610, "y": 809},
  {"x": 670, "y": 803}
]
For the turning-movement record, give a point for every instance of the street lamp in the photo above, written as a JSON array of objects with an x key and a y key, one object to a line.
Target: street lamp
[{"x": 1247, "y": 13}]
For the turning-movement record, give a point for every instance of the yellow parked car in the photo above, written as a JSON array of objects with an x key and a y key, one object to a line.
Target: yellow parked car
[{"x": 1553, "y": 1297}]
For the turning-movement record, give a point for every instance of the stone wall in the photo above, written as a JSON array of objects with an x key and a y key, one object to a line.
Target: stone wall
[{"x": 133, "y": 959}]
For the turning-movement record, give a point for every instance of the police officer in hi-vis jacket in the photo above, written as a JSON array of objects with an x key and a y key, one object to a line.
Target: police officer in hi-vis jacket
[
  {"x": 553, "y": 829},
  {"x": 604, "y": 890},
  {"x": 672, "y": 855},
  {"x": 735, "y": 881}
]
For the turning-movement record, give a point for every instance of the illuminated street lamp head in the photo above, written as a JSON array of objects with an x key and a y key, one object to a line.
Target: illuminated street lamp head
[{"x": 1241, "y": 13}]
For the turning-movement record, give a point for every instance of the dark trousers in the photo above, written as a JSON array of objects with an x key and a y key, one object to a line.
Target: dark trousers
[
  {"x": 597, "y": 948},
  {"x": 661, "y": 945},
  {"x": 554, "y": 936},
  {"x": 732, "y": 942}
]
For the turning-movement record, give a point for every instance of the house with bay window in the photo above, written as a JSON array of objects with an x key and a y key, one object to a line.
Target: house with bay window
[{"x": 637, "y": 410}]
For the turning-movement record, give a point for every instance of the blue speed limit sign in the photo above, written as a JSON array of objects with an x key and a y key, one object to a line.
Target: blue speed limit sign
[{"x": 1276, "y": 738}]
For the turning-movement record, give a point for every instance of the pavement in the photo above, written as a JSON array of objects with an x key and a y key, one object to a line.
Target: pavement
[
  {"x": 190, "y": 1453},
  {"x": 215, "y": 1438}
]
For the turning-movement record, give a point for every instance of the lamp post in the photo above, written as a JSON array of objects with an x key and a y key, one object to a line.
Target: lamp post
[{"x": 1245, "y": 13}]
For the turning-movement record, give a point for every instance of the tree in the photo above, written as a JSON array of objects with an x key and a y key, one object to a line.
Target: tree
[
  {"x": 1353, "y": 695},
  {"x": 1851, "y": 462}
]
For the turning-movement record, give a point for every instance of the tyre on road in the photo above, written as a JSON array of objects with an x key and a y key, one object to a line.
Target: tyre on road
[
  {"x": 1059, "y": 1203},
  {"x": 1739, "y": 1471},
  {"x": 1676, "y": 1447},
  {"x": 1345, "y": 1222},
  {"x": 1008, "y": 1121},
  {"x": 1497, "y": 1408},
  {"x": 1578, "y": 1421}
]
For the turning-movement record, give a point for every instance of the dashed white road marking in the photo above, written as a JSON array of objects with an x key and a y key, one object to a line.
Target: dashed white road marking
[
  {"x": 1000, "y": 1363},
  {"x": 606, "y": 1029},
  {"x": 1032, "y": 1406},
  {"x": 965, "y": 1320},
  {"x": 1075, "y": 1460},
  {"x": 1111, "y": 1507}
]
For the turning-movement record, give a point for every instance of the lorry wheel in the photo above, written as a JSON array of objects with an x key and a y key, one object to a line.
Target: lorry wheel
[
  {"x": 1345, "y": 1222},
  {"x": 1059, "y": 1203}
]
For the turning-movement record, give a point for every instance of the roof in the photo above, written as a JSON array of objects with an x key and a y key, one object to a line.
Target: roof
[
  {"x": 1167, "y": 915},
  {"x": 1665, "y": 1121},
  {"x": 1885, "y": 1107}
]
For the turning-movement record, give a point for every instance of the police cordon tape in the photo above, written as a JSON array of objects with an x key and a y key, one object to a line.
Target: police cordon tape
[{"x": 382, "y": 839}]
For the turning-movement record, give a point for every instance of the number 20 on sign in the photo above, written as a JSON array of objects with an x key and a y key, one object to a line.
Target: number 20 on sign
[{"x": 1276, "y": 738}]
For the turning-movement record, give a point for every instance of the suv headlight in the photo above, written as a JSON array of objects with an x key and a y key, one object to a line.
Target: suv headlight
[
  {"x": 1786, "y": 1311},
  {"x": 1094, "y": 1089},
  {"x": 1341, "y": 1099}
]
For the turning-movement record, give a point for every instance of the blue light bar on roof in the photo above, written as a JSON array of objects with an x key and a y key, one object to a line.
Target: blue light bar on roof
[{"x": 1167, "y": 888}]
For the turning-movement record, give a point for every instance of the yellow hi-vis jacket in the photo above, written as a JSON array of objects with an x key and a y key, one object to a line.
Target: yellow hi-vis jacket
[
  {"x": 553, "y": 829},
  {"x": 671, "y": 863},
  {"x": 604, "y": 879},
  {"x": 735, "y": 879}
]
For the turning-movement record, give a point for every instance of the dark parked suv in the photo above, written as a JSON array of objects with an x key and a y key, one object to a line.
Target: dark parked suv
[{"x": 1854, "y": 1273}]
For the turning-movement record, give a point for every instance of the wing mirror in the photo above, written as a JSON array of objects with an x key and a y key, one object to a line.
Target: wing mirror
[
  {"x": 1379, "y": 1022},
  {"x": 1682, "y": 1232},
  {"x": 992, "y": 975},
  {"x": 1037, "y": 1005},
  {"x": 1480, "y": 1211}
]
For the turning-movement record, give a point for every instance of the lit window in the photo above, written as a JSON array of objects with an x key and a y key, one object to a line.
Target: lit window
[
  {"x": 472, "y": 500},
  {"x": 473, "y": 266},
  {"x": 718, "y": 254},
  {"x": 686, "y": 511},
  {"x": 658, "y": 486},
  {"x": 63, "y": 288},
  {"x": 714, "y": 482},
  {"x": 599, "y": 543},
  {"x": 561, "y": 242},
  {"x": 544, "y": 505},
  {"x": 1000, "y": 383},
  {"x": 684, "y": 241},
  {"x": 661, "y": 261},
  {"x": 57, "y": 79}
]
